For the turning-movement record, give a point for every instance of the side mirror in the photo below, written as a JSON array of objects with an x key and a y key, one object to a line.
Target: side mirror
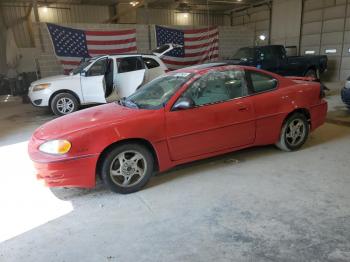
[
  {"x": 183, "y": 103},
  {"x": 83, "y": 73}
]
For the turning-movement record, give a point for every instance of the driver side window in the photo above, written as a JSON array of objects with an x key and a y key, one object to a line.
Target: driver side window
[
  {"x": 98, "y": 68},
  {"x": 217, "y": 87}
]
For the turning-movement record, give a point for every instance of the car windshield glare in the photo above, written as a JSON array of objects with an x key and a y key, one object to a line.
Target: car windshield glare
[
  {"x": 81, "y": 66},
  {"x": 155, "y": 94}
]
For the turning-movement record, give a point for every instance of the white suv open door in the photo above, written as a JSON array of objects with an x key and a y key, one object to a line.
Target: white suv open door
[
  {"x": 130, "y": 75},
  {"x": 163, "y": 49},
  {"x": 93, "y": 83}
]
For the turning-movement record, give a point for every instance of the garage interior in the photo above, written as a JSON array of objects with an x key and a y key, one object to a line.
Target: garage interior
[{"x": 257, "y": 204}]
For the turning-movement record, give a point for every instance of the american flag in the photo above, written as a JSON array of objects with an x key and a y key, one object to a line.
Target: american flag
[
  {"x": 199, "y": 45},
  {"x": 72, "y": 45}
]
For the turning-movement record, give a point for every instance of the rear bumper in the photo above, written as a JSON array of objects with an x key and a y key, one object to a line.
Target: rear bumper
[
  {"x": 345, "y": 96},
  {"x": 318, "y": 114}
]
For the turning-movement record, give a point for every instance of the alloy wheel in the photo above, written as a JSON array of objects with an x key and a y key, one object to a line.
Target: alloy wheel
[
  {"x": 295, "y": 132},
  {"x": 65, "y": 105},
  {"x": 128, "y": 168}
]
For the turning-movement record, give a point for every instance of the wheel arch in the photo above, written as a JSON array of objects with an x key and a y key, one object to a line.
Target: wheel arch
[
  {"x": 64, "y": 91},
  {"x": 140, "y": 141},
  {"x": 303, "y": 111}
]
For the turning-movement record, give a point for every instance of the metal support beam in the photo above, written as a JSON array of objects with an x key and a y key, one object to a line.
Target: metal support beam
[{"x": 37, "y": 20}]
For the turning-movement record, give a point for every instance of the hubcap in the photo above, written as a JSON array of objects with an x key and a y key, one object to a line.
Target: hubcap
[
  {"x": 65, "y": 105},
  {"x": 295, "y": 132},
  {"x": 128, "y": 168}
]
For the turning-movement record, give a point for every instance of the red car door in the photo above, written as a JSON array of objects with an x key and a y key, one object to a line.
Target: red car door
[
  {"x": 222, "y": 116},
  {"x": 268, "y": 101}
]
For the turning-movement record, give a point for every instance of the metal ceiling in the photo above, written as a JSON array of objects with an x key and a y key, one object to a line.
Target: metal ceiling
[{"x": 181, "y": 5}]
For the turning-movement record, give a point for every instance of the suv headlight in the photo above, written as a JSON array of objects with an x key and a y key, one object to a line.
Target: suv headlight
[
  {"x": 40, "y": 87},
  {"x": 56, "y": 147}
]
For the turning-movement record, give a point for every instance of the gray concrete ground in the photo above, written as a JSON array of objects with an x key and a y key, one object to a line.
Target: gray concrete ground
[{"x": 258, "y": 204}]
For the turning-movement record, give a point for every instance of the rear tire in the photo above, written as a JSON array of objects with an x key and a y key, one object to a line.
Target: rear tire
[
  {"x": 64, "y": 104},
  {"x": 294, "y": 133},
  {"x": 127, "y": 168}
]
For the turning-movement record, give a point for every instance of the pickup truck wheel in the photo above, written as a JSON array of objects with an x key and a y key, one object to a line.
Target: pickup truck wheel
[
  {"x": 127, "y": 168},
  {"x": 294, "y": 133},
  {"x": 312, "y": 73},
  {"x": 63, "y": 104}
]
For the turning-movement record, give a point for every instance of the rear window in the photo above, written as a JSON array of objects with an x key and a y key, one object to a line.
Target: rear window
[
  {"x": 150, "y": 63},
  {"x": 129, "y": 64},
  {"x": 262, "y": 82}
]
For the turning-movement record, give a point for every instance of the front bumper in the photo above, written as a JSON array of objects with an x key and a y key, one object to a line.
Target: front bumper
[
  {"x": 345, "y": 96},
  {"x": 63, "y": 171},
  {"x": 39, "y": 98}
]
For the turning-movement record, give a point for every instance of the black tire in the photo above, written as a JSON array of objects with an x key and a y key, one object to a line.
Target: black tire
[
  {"x": 57, "y": 106},
  {"x": 285, "y": 142},
  {"x": 312, "y": 73},
  {"x": 136, "y": 182}
]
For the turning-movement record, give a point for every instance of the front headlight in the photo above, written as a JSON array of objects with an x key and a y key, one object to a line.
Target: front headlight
[
  {"x": 56, "y": 147},
  {"x": 41, "y": 87}
]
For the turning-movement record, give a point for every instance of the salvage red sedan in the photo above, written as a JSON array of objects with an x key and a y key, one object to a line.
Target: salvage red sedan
[{"x": 185, "y": 115}]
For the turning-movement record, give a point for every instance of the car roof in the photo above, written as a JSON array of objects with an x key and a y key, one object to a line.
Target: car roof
[
  {"x": 203, "y": 68},
  {"x": 123, "y": 55}
]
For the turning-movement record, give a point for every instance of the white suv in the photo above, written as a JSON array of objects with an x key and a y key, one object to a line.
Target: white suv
[{"x": 98, "y": 80}]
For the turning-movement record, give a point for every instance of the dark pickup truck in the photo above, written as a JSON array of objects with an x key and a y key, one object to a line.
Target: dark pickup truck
[{"x": 274, "y": 58}]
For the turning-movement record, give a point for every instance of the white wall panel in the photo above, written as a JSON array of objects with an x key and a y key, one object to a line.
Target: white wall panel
[
  {"x": 323, "y": 21},
  {"x": 173, "y": 17},
  {"x": 2, "y": 48},
  {"x": 286, "y": 20}
]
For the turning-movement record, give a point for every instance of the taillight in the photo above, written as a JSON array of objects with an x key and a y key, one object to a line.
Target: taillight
[{"x": 167, "y": 71}]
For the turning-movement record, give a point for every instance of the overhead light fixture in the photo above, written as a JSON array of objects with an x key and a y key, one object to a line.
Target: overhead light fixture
[
  {"x": 45, "y": 9},
  {"x": 185, "y": 15},
  {"x": 134, "y": 3},
  {"x": 262, "y": 37}
]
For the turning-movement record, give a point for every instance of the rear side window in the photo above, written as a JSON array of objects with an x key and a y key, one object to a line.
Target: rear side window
[
  {"x": 129, "y": 64},
  {"x": 262, "y": 82},
  {"x": 150, "y": 63}
]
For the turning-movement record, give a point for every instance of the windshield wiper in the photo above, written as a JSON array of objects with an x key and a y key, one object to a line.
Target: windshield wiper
[{"x": 130, "y": 103}]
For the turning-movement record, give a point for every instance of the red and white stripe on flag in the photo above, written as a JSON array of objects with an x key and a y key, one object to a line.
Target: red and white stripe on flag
[
  {"x": 201, "y": 45},
  {"x": 70, "y": 43}
]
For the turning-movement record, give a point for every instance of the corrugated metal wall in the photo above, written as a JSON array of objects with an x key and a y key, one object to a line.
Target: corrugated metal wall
[
  {"x": 257, "y": 19},
  {"x": 173, "y": 17},
  {"x": 61, "y": 14},
  {"x": 286, "y": 17},
  {"x": 326, "y": 28},
  {"x": 2, "y": 48}
]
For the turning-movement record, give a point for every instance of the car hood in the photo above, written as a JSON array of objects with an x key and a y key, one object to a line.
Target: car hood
[
  {"x": 85, "y": 119},
  {"x": 53, "y": 79}
]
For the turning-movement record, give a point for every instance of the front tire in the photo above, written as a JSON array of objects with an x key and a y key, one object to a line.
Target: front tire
[
  {"x": 127, "y": 168},
  {"x": 294, "y": 133},
  {"x": 64, "y": 104}
]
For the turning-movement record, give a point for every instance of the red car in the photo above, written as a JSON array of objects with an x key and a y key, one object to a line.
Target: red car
[{"x": 185, "y": 115}]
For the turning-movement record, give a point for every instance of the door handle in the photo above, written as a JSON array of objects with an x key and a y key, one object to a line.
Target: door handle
[{"x": 242, "y": 107}]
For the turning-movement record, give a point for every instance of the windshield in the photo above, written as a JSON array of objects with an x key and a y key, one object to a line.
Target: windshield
[
  {"x": 81, "y": 67},
  {"x": 245, "y": 52},
  {"x": 156, "y": 94}
]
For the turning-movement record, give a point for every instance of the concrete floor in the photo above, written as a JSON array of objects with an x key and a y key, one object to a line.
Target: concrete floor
[{"x": 258, "y": 204}]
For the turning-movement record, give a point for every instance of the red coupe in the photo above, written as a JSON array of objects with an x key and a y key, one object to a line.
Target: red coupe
[{"x": 185, "y": 115}]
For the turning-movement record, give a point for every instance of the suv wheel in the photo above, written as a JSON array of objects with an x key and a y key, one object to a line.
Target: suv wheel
[{"x": 63, "y": 104}]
